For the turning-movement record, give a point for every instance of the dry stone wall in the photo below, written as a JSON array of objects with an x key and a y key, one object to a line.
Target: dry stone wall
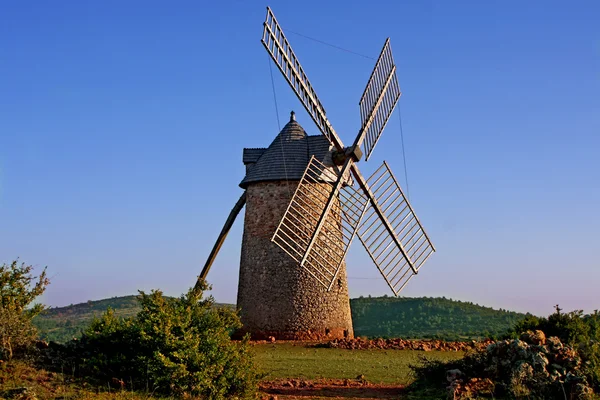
[{"x": 276, "y": 296}]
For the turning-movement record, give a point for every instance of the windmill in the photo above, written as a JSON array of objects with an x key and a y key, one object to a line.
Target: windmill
[{"x": 293, "y": 281}]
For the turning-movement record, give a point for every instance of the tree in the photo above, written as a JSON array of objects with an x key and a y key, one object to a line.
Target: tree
[{"x": 18, "y": 289}]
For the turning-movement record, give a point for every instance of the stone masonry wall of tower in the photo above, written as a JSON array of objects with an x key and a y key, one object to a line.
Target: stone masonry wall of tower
[{"x": 276, "y": 296}]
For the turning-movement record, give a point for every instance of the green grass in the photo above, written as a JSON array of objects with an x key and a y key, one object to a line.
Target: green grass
[
  {"x": 286, "y": 360},
  {"x": 278, "y": 361}
]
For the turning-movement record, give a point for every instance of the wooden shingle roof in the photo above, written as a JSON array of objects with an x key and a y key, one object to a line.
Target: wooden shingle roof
[
  {"x": 291, "y": 145},
  {"x": 251, "y": 156}
]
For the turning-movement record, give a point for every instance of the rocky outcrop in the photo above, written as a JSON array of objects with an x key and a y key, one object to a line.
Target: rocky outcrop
[
  {"x": 530, "y": 367},
  {"x": 404, "y": 344}
]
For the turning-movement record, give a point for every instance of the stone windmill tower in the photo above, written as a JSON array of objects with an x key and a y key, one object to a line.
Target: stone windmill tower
[
  {"x": 306, "y": 201},
  {"x": 275, "y": 295}
]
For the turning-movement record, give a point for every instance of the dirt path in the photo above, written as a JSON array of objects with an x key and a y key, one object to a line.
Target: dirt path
[{"x": 292, "y": 389}]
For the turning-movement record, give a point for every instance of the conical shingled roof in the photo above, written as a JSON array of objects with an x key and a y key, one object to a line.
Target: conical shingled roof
[{"x": 291, "y": 145}]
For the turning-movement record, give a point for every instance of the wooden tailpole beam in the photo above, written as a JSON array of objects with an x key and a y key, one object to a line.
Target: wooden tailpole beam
[{"x": 215, "y": 250}]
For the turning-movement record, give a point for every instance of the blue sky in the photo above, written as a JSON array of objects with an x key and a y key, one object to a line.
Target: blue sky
[{"x": 122, "y": 126}]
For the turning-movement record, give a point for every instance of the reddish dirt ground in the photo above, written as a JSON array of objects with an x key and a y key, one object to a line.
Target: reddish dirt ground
[{"x": 292, "y": 389}]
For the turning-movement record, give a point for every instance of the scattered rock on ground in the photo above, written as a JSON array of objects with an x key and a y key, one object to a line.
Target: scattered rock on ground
[
  {"x": 530, "y": 367},
  {"x": 405, "y": 344}
]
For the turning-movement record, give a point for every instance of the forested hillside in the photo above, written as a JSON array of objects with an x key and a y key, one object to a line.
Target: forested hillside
[
  {"x": 428, "y": 317},
  {"x": 61, "y": 324},
  {"x": 64, "y": 323},
  {"x": 420, "y": 317}
]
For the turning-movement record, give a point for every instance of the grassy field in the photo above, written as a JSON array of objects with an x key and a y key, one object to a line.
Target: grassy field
[
  {"x": 278, "y": 361},
  {"x": 288, "y": 360}
]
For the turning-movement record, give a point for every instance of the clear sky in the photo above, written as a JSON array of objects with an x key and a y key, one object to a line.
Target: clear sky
[{"x": 122, "y": 126}]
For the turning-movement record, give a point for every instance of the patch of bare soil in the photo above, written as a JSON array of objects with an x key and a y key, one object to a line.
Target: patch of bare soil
[{"x": 358, "y": 389}]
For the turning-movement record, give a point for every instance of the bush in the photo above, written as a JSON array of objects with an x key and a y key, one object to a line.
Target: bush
[
  {"x": 18, "y": 290},
  {"x": 548, "y": 358},
  {"x": 571, "y": 328},
  {"x": 174, "y": 346}
]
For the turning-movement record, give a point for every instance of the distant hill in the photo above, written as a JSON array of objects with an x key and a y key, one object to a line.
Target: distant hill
[
  {"x": 418, "y": 317},
  {"x": 428, "y": 317},
  {"x": 61, "y": 324}
]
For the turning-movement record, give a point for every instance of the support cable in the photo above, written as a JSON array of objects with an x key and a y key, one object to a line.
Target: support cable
[
  {"x": 403, "y": 150},
  {"x": 404, "y": 160},
  {"x": 274, "y": 95},
  {"x": 330, "y": 45},
  {"x": 279, "y": 127}
]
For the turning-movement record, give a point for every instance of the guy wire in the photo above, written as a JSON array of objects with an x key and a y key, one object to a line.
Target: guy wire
[{"x": 279, "y": 127}]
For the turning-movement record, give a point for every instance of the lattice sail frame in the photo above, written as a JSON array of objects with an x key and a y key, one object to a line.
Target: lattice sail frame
[
  {"x": 281, "y": 52},
  {"x": 324, "y": 258},
  {"x": 396, "y": 264},
  {"x": 379, "y": 99}
]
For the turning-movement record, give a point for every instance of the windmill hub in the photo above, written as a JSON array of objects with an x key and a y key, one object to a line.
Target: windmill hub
[{"x": 340, "y": 157}]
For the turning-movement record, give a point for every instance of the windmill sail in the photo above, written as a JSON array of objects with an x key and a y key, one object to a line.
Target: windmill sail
[
  {"x": 321, "y": 256},
  {"x": 379, "y": 99},
  {"x": 396, "y": 262},
  {"x": 281, "y": 52}
]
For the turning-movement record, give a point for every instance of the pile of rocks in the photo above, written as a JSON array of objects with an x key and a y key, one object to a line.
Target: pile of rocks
[
  {"x": 404, "y": 344},
  {"x": 533, "y": 366}
]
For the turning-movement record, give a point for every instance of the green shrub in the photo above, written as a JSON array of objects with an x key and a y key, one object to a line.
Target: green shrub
[
  {"x": 571, "y": 328},
  {"x": 18, "y": 290},
  {"x": 174, "y": 346}
]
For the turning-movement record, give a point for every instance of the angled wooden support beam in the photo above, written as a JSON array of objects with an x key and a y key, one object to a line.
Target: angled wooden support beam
[{"x": 215, "y": 250}]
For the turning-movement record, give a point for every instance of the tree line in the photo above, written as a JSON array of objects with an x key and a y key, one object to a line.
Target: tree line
[{"x": 428, "y": 317}]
